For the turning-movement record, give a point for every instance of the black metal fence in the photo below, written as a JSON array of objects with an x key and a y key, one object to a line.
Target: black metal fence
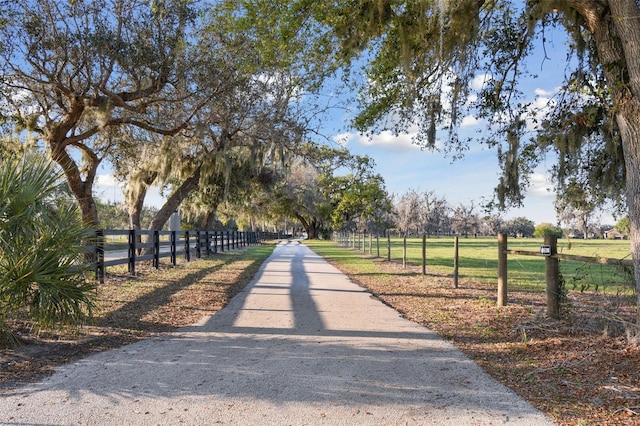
[{"x": 120, "y": 247}]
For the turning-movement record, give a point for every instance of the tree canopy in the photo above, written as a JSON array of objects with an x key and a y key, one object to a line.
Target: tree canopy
[
  {"x": 74, "y": 70},
  {"x": 421, "y": 60},
  {"x": 330, "y": 189},
  {"x": 178, "y": 102}
]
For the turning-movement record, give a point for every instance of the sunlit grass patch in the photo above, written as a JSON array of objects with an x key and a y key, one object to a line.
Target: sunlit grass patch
[{"x": 478, "y": 261}]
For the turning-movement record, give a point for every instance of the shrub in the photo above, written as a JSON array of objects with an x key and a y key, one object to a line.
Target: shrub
[
  {"x": 547, "y": 229},
  {"x": 42, "y": 277}
]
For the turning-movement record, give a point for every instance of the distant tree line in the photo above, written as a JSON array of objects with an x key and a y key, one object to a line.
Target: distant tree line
[{"x": 427, "y": 213}]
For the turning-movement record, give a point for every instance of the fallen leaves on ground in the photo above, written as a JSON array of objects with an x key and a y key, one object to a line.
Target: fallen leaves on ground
[
  {"x": 131, "y": 309},
  {"x": 570, "y": 369}
]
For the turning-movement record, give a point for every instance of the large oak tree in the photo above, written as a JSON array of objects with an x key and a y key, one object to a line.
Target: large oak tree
[
  {"x": 329, "y": 189},
  {"x": 421, "y": 57},
  {"x": 73, "y": 70}
]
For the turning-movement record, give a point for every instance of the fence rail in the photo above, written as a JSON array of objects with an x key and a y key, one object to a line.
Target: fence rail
[
  {"x": 551, "y": 274},
  {"x": 129, "y": 247},
  {"x": 552, "y": 270}
]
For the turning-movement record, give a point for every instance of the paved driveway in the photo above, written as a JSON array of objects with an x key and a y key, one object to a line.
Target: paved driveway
[{"x": 301, "y": 345}]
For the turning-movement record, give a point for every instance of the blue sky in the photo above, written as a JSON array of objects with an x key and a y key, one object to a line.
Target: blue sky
[
  {"x": 405, "y": 166},
  {"x": 472, "y": 178}
]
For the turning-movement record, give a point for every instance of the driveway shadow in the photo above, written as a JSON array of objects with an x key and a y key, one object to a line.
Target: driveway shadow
[{"x": 299, "y": 342}]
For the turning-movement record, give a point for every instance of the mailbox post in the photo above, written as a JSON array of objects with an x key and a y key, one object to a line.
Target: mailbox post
[{"x": 552, "y": 275}]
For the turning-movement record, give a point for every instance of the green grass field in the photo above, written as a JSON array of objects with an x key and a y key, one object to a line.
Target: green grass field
[{"x": 478, "y": 261}]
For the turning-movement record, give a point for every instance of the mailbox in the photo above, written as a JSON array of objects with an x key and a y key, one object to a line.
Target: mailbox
[{"x": 545, "y": 250}]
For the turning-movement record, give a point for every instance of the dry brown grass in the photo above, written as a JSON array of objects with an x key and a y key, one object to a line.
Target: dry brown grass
[
  {"x": 570, "y": 369},
  {"x": 133, "y": 308}
]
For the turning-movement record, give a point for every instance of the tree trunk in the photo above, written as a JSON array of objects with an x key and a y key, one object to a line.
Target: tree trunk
[
  {"x": 312, "y": 234},
  {"x": 617, "y": 38},
  {"x": 312, "y": 229},
  {"x": 135, "y": 209},
  {"x": 81, "y": 190},
  {"x": 209, "y": 220},
  {"x": 585, "y": 228},
  {"x": 174, "y": 201},
  {"x": 630, "y": 129},
  {"x": 135, "y": 195},
  {"x": 172, "y": 204},
  {"x": 310, "y": 226}
]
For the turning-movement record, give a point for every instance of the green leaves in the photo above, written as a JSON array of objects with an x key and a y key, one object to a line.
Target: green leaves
[{"x": 41, "y": 252}]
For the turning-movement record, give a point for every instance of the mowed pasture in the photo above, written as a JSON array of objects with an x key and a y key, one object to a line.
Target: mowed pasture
[{"x": 478, "y": 261}]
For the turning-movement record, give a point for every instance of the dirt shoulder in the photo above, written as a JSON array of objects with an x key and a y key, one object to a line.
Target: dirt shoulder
[
  {"x": 569, "y": 369},
  {"x": 131, "y": 309},
  {"x": 580, "y": 370}
]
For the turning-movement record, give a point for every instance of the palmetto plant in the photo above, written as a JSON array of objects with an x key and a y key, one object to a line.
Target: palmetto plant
[{"x": 41, "y": 252}]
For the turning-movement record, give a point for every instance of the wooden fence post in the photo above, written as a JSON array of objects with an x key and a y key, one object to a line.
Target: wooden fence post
[
  {"x": 388, "y": 246},
  {"x": 404, "y": 250},
  {"x": 173, "y": 247},
  {"x": 156, "y": 249},
  {"x": 553, "y": 277},
  {"x": 132, "y": 251},
  {"x": 502, "y": 270},
  {"x": 456, "y": 245},
  {"x": 100, "y": 255},
  {"x": 187, "y": 246},
  {"x": 424, "y": 254}
]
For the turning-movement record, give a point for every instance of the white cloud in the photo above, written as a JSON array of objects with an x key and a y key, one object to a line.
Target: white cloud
[
  {"x": 469, "y": 121},
  {"x": 543, "y": 103},
  {"x": 154, "y": 198},
  {"x": 108, "y": 189},
  {"x": 385, "y": 139},
  {"x": 539, "y": 108},
  {"x": 343, "y": 139},
  {"x": 107, "y": 180},
  {"x": 546, "y": 93},
  {"x": 540, "y": 186},
  {"x": 479, "y": 81}
]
